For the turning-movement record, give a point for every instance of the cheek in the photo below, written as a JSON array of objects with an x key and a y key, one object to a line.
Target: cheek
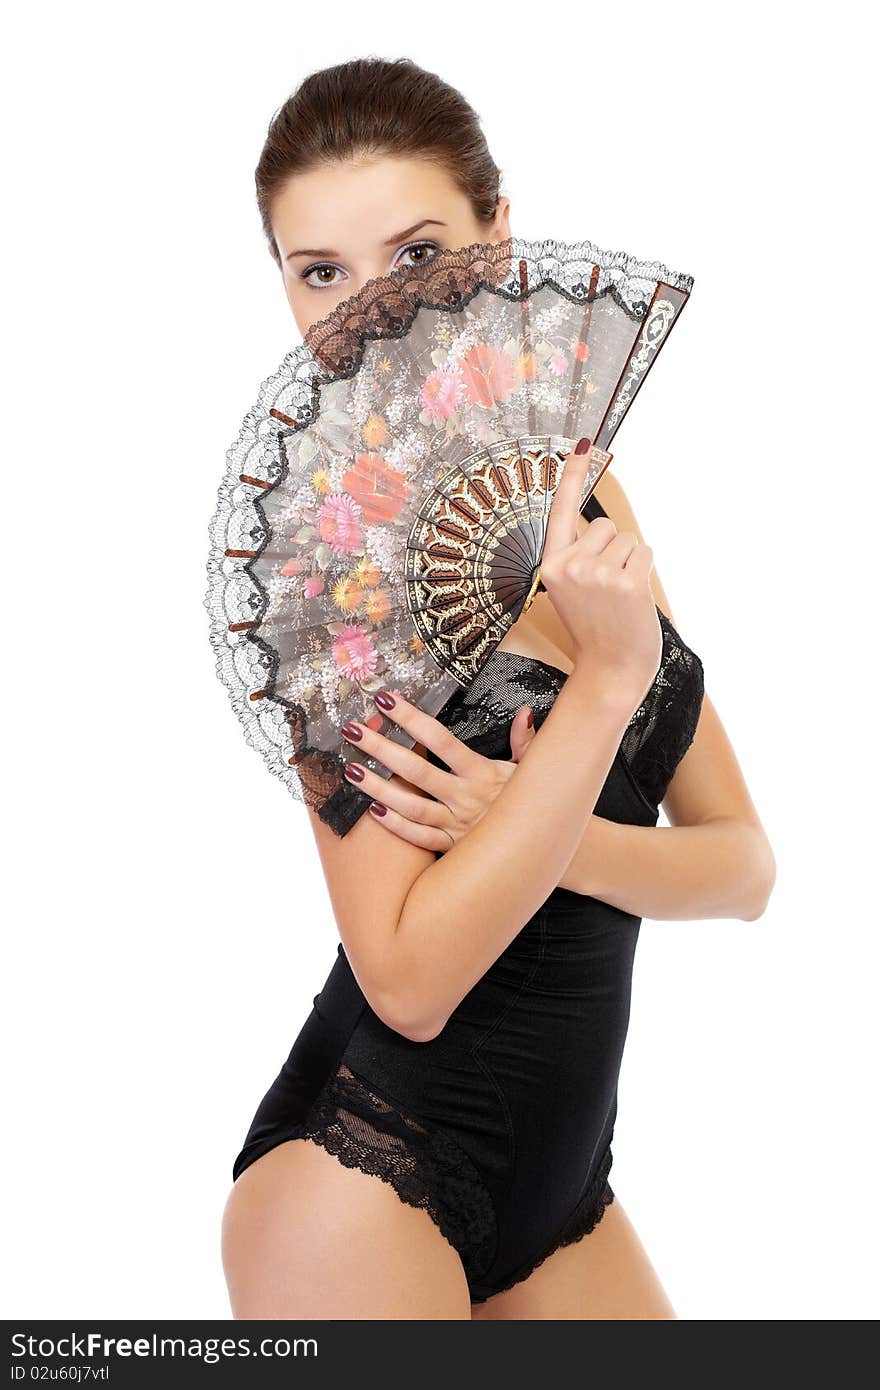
[
  {"x": 310, "y": 306},
  {"x": 297, "y": 293}
]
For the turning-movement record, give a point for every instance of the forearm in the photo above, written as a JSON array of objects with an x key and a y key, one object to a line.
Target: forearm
[
  {"x": 461, "y": 913},
  {"x": 720, "y": 868}
]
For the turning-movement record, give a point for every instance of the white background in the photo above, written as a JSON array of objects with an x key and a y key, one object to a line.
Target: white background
[{"x": 167, "y": 925}]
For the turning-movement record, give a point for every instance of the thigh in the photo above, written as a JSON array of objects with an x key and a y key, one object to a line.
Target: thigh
[
  {"x": 604, "y": 1275},
  {"x": 305, "y": 1237}
]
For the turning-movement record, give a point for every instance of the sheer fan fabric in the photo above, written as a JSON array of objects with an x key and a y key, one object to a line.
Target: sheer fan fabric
[{"x": 384, "y": 506}]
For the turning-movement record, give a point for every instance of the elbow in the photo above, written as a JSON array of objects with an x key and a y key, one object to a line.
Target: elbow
[
  {"x": 416, "y": 1028},
  {"x": 761, "y": 875},
  {"x": 409, "y": 1017},
  {"x": 422, "y": 1031},
  {"x": 405, "y": 1002}
]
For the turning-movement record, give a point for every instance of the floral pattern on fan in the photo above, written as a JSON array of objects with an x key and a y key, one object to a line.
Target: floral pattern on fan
[{"x": 385, "y": 505}]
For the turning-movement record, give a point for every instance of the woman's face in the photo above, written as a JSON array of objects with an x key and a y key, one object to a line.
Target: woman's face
[{"x": 343, "y": 224}]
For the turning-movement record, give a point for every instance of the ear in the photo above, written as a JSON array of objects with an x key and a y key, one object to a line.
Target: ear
[{"x": 502, "y": 219}]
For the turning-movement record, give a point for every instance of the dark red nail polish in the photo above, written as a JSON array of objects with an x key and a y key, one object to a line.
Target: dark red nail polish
[
  {"x": 351, "y": 731},
  {"x": 531, "y": 718},
  {"x": 385, "y": 700},
  {"x": 583, "y": 446},
  {"x": 354, "y": 772},
  {"x": 377, "y": 808}
]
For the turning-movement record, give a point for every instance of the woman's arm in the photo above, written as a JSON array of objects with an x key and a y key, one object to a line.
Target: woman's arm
[
  {"x": 419, "y": 931},
  {"x": 417, "y": 958},
  {"x": 713, "y": 860},
  {"x": 722, "y": 868}
]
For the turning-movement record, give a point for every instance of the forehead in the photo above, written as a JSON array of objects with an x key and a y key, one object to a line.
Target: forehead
[{"x": 363, "y": 200}]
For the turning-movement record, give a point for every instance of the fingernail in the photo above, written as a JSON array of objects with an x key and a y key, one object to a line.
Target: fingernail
[
  {"x": 354, "y": 772},
  {"x": 351, "y": 731},
  {"x": 583, "y": 446},
  {"x": 377, "y": 808},
  {"x": 385, "y": 700},
  {"x": 531, "y": 718}
]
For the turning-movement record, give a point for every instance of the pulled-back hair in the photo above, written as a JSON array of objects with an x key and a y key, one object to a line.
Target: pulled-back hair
[{"x": 374, "y": 107}]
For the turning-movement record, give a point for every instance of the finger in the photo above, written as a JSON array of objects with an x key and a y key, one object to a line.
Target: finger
[
  {"x": 425, "y": 729},
  {"x": 640, "y": 561},
  {"x": 620, "y": 548},
  {"x": 562, "y": 521},
  {"x": 424, "y": 836},
  {"x": 522, "y": 732},
  {"x": 404, "y": 761},
  {"x": 393, "y": 791}
]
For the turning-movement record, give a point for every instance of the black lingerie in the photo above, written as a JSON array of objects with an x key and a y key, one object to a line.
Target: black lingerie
[{"x": 500, "y": 1128}]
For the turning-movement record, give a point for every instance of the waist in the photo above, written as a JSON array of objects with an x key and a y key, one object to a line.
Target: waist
[{"x": 574, "y": 948}]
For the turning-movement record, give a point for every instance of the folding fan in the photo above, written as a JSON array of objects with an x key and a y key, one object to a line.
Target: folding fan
[{"x": 382, "y": 517}]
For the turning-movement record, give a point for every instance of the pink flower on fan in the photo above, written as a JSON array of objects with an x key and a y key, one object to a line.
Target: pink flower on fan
[
  {"x": 313, "y": 586},
  {"x": 558, "y": 364},
  {"x": 339, "y": 522},
  {"x": 580, "y": 350},
  {"x": 354, "y": 653},
  {"x": 441, "y": 393}
]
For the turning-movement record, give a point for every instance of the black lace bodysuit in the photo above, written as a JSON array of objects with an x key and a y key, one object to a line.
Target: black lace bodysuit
[{"x": 500, "y": 1128}]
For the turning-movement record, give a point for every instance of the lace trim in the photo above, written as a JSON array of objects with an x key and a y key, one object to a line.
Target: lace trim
[
  {"x": 663, "y": 727},
  {"x": 385, "y": 306},
  {"x": 239, "y": 524},
  {"x": 288, "y": 402},
  {"x": 656, "y": 738},
  {"x": 584, "y": 1219},
  {"x": 425, "y": 1168}
]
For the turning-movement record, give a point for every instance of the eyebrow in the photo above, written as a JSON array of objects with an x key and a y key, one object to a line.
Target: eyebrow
[{"x": 392, "y": 240}]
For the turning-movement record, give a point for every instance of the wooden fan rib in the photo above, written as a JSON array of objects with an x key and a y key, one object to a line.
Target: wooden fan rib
[
  {"x": 451, "y": 528},
  {"x": 525, "y": 312},
  {"x": 483, "y": 492},
  {"x": 675, "y": 295},
  {"x": 578, "y": 370},
  {"x": 517, "y": 508}
]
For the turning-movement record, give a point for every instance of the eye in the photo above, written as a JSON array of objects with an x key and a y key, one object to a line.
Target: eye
[
  {"x": 322, "y": 275},
  {"x": 419, "y": 246},
  {"x": 323, "y": 281}
]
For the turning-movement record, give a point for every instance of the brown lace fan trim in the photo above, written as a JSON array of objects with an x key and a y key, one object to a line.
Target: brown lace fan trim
[{"x": 385, "y": 306}]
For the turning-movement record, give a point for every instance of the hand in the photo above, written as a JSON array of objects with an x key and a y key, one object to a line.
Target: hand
[
  {"x": 425, "y": 805},
  {"x": 599, "y": 584}
]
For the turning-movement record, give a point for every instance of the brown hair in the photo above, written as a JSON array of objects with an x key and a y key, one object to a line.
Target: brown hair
[{"x": 376, "y": 107}]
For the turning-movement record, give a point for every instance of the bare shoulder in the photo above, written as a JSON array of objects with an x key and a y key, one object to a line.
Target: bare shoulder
[{"x": 613, "y": 499}]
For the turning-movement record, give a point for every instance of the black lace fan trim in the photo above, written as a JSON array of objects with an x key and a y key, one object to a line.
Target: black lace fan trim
[
  {"x": 425, "y": 1168},
  {"x": 584, "y": 1219},
  {"x": 344, "y": 807}
]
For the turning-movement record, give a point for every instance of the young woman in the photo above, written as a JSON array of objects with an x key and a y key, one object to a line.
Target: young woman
[{"x": 437, "y": 1144}]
